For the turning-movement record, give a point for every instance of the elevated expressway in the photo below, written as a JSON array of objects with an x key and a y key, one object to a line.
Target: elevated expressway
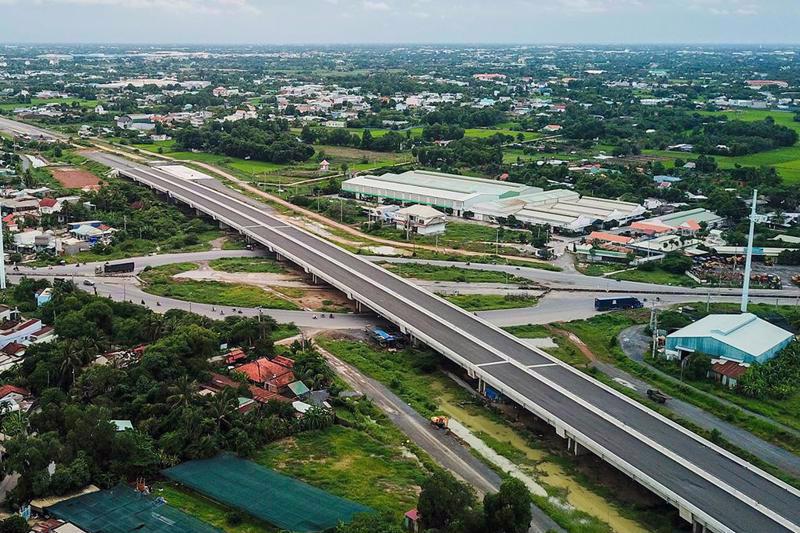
[{"x": 711, "y": 487}]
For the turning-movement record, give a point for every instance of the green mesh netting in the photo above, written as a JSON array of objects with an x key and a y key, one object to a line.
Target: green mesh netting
[
  {"x": 122, "y": 510},
  {"x": 263, "y": 493}
]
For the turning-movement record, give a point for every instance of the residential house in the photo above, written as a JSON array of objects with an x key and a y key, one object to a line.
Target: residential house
[
  {"x": 13, "y": 399},
  {"x": 272, "y": 375},
  {"x": 91, "y": 231},
  {"x": 420, "y": 219}
]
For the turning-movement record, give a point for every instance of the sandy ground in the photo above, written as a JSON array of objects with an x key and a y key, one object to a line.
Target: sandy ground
[
  {"x": 288, "y": 286},
  {"x": 265, "y": 280},
  {"x": 73, "y": 178}
]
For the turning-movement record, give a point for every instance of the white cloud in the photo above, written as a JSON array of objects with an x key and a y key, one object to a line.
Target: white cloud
[
  {"x": 195, "y": 6},
  {"x": 373, "y": 5}
]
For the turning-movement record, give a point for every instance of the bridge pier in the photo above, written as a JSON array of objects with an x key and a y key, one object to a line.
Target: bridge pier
[
  {"x": 697, "y": 527},
  {"x": 224, "y": 226},
  {"x": 575, "y": 447}
]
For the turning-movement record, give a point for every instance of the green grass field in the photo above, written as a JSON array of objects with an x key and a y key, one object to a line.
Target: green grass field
[
  {"x": 247, "y": 264},
  {"x": 785, "y": 160},
  {"x": 159, "y": 281},
  {"x": 658, "y": 276},
  {"x": 277, "y": 173},
  {"x": 8, "y": 106},
  {"x": 489, "y": 302},
  {"x": 452, "y": 273},
  {"x": 476, "y": 133},
  {"x": 209, "y": 511},
  {"x": 351, "y": 464}
]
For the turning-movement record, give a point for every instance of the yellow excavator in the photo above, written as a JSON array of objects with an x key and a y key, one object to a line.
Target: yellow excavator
[{"x": 439, "y": 421}]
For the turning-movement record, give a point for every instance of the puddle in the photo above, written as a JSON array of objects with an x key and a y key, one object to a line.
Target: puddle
[
  {"x": 587, "y": 501},
  {"x": 578, "y": 496}
]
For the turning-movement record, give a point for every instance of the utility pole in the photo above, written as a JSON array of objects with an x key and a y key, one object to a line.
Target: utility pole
[
  {"x": 749, "y": 257},
  {"x": 2, "y": 259},
  {"x": 654, "y": 329}
]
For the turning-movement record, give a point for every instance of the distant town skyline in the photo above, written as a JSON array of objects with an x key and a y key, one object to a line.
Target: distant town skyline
[{"x": 397, "y": 21}]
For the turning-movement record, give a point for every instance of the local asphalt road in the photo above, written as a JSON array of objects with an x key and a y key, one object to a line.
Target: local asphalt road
[{"x": 127, "y": 288}]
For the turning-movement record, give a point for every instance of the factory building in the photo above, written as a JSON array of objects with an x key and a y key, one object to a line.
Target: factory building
[
  {"x": 445, "y": 191},
  {"x": 493, "y": 201},
  {"x": 742, "y": 337}
]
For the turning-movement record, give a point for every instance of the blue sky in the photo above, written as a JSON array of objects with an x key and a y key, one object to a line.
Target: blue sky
[{"x": 400, "y": 21}]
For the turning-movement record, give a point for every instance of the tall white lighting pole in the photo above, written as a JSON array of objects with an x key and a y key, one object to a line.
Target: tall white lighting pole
[
  {"x": 2, "y": 257},
  {"x": 749, "y": 256}
]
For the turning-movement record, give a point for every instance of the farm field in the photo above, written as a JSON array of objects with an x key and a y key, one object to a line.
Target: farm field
[
  {"x": 277, "y": 173},
  {"x": 490, "y": 302},
  {"x": 374, "y": 470},
  {"x": 9, "y": 106},
  {"x": 785, "y": 160},
  {"x": 478, "y": 133},
  {"x": 75, "y": 178}
]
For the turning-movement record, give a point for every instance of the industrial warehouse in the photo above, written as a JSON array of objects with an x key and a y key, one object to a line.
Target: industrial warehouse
[{"x": 493, "y": 200}]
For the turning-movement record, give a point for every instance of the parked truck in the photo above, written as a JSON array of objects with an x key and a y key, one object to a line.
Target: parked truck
[
  {"x": 619, "y": 302},
  {"x": 115, "y": 268},
  {"x": 657, "y": 396}
]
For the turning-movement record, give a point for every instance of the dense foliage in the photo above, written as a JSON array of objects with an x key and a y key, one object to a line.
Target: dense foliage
[
  {"x": 79, "y": 396},
  {"x": 777, "y": 379},
  {"x": 248, "y": 139}
]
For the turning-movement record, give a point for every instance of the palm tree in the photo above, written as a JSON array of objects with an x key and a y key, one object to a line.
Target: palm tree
[
  {"x": 222, "y": 405},
  {"x": 16, "y": 424},
  {"x": 182, "y": 392},
  {"x": 71, "y": 361},
  {"x": 317, "y": 418},
  {"x": 154, "y": 326}
]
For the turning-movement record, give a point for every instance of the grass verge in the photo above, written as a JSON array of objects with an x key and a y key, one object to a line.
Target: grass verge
[{"x": 160, "y": 281}]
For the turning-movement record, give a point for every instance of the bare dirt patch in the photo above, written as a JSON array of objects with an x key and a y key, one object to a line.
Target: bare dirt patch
[{"x": 75, "y": 178}]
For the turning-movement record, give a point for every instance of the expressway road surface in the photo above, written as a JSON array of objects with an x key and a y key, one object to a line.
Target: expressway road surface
[
  {"x": 20, "y": 128},
  {"x": 708, "y": 484}
]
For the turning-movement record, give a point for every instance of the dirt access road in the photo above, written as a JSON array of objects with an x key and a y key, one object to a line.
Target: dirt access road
[{"x": 443, "y": 448}]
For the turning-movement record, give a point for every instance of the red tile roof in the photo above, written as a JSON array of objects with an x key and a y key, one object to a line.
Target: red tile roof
[
  {"x": 608, "y": 237},
  {"x": 263, "y": 395},
  {"x": 731, "y": 369},
  {"x": 219, "y": 382},
  {"x": 412, "y": 515},
  {"x": 690, "y": 225},
  {"x": 265, "y": 371},
  {"x": 283, "y": 361},
  {"x": 47, "y": 202},
  {"x": 654, "y": 226},
  {"x": 13, "y": 348},
  {"x": 236, "y": 354},
  {"x": 5, "y": 390}
]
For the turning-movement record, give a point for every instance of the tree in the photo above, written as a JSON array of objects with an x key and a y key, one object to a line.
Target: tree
[
  {"x": 366, "y": 140},
  {"x": 508, "y": 511},
  {"x": 443, "y": 501},
  {"x": 676, "y": 263},
  {"x": 14, "y": 524}
]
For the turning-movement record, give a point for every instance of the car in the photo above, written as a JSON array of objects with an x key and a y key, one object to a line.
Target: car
[{"x": 88, "y": 283}]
